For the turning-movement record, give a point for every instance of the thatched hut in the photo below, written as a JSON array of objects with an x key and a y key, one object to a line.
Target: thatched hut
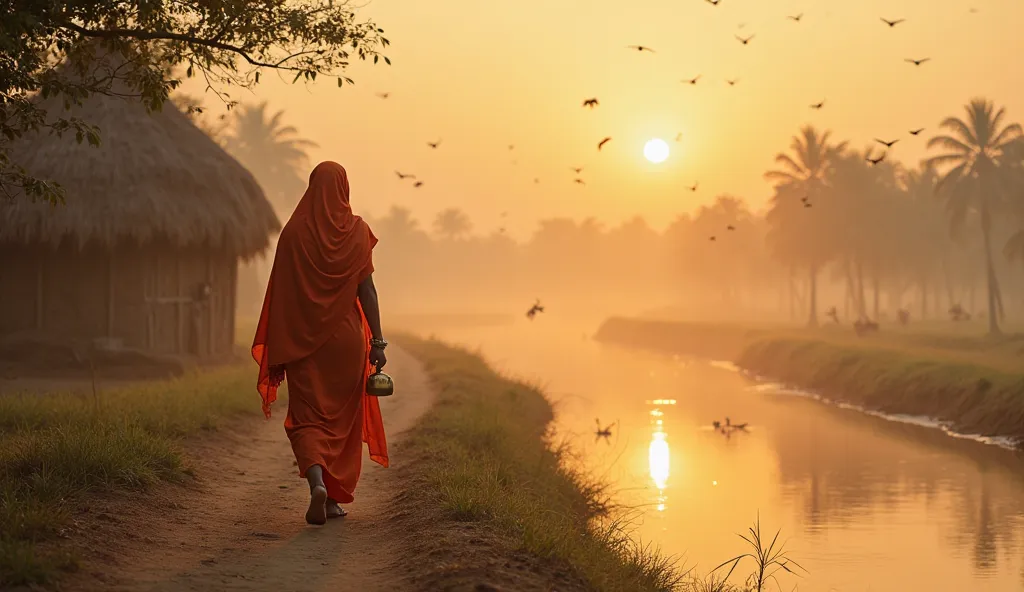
[{"x": 144, "y": 255}]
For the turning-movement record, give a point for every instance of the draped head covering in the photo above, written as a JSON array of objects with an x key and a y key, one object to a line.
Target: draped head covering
[{"x": 323, "y": 253}]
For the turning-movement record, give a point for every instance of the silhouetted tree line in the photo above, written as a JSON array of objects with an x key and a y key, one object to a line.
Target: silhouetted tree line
[
  {"x": 845, "y": 232},
  {"x": 933, "y": 234}
]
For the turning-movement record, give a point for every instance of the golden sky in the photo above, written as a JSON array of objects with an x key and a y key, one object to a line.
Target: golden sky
[{"x": 481, "y": 75}]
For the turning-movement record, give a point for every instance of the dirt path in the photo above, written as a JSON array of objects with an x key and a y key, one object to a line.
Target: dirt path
[{"x": 241, "y": 527}]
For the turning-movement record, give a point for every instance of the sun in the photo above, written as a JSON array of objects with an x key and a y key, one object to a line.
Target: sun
[{"x": 656, "y": 150}]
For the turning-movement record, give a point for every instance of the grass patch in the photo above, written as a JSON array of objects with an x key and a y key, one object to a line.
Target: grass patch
[
  {"x": 488, "y": 457},
  {"x": 55, "y": 447},
  {"x": 973, "y": 398}
]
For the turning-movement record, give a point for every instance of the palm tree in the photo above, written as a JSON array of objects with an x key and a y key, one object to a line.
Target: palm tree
[
  {"x": 192, "y": 107},
  {"x": 803, "y": 172},
  {"x": 273, "y": 152},
  {"x": 929, "y": 241},
  {"x": 452, "y": 223},
  {"x": 977, "y": 149}
]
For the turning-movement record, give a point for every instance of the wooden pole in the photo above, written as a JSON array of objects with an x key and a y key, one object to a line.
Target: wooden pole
[
  {"x": 110, "y": 295},
  {"x": 41, "y": 262},
  {"x": 210, "y": 345},
  {"x": 232, "y": 308},
  {"x": 179, "y": 314}
]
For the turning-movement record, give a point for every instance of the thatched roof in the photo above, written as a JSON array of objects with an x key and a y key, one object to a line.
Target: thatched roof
[{"x": 155, "y": 176}]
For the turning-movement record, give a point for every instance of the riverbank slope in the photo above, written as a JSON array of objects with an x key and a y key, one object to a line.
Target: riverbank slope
[{"x": 971, "y": 384}]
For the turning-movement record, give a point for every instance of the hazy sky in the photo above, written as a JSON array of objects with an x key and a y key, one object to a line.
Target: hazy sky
[{"x": 481, "y": 75}]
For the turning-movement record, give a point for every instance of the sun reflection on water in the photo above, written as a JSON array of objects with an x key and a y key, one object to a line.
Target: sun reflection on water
[{"x": 658, "y": 458}]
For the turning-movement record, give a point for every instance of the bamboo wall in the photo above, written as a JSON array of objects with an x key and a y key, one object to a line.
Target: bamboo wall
[{"x": 145, "y": 298}]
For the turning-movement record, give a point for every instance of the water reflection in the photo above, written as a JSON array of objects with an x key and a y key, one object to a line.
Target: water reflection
[
  {"x": 658, "y": 457},
  {"x": 864, "y": 504}
]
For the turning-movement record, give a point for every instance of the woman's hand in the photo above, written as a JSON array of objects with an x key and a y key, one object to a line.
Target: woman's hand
[{"x": 377, "y": 358}]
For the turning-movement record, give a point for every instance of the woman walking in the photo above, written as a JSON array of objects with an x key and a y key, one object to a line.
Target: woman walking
[{"x": 320, "y": 330}]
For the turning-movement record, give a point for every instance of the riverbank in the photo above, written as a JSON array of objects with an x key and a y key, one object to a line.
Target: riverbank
[
  {"x": 971, "y": 384},
  {"x": 483, "y": 457}
]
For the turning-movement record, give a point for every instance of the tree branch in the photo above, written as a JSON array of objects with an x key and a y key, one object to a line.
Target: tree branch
[{"x": 169, "y": 36}]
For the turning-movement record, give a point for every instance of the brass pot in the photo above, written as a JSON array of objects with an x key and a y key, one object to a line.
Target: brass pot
[{"x": 379, "y": 384}]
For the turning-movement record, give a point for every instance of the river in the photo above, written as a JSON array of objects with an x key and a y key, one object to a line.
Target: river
[{"x": 863, "y": 503}]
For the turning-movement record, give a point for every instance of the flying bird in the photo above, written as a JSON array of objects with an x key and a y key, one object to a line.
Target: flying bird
[
  {"x": 434, "y": 144},
  {"x": 418, "y": 184},
  {"x": 534, "y": 310},
  {"x": 604, "y": 432},
  {"x": 917, "y": 62},
  {"x": 576, "y": 170},
  {"x": 404, "y": 176},
  {"x": 693, "y": 187},
  {"x": 893, "y": 23},
  {"x": 886, "y": 144},
  {"x": 511, "y": 147},
  {"x": 640, "y": 48},
  {"x": 818, "y": 105},
  {"x": 744, "y": 40},
  {"x": 713, "y": 2},
  {"x": 917, "y": 131},
  {"x": 603, "y": 142},
  {"x": 875, "y": 161},
  {"x": 730, "y": 227},
  {"x": 590, "y": 103},
  {"x": 735, "y": 426},
  {"x": 693, "y": 80},
  {"x": 384, "y": 95},
  {"x": 732, "y": 82},
  {"x": 797, "y": 17},
  {"x": 579, "y": 181},
  {"x": 712, "y": 238},
  {"x": 536, "y": 180}
]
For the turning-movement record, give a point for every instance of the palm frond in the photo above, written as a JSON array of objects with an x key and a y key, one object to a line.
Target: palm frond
[
  {"x": 943, "y": 160},
  {"x": 1009, "y": 134},
  {"x": 957, "y": 126},
  {"x": 788, "y": 163},
  {"x": 949, "y": 143},
  {"x": 781, "y": 177}
]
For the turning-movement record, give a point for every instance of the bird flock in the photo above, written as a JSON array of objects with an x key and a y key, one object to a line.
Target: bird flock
[{"x": 591, "y": 103}]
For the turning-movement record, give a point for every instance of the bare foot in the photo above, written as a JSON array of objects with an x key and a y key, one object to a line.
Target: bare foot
[
  {"x": 334, "y": 510},
  {"x": 317, "y": 512}
]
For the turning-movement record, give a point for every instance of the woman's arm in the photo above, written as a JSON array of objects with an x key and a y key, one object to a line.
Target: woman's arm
[{"x": 371, "y": 307}]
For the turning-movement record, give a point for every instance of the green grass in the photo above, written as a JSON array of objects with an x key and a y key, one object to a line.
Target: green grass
[
  {"x": 56, "y": 447},
  {"x": 488, "y": 457}
]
